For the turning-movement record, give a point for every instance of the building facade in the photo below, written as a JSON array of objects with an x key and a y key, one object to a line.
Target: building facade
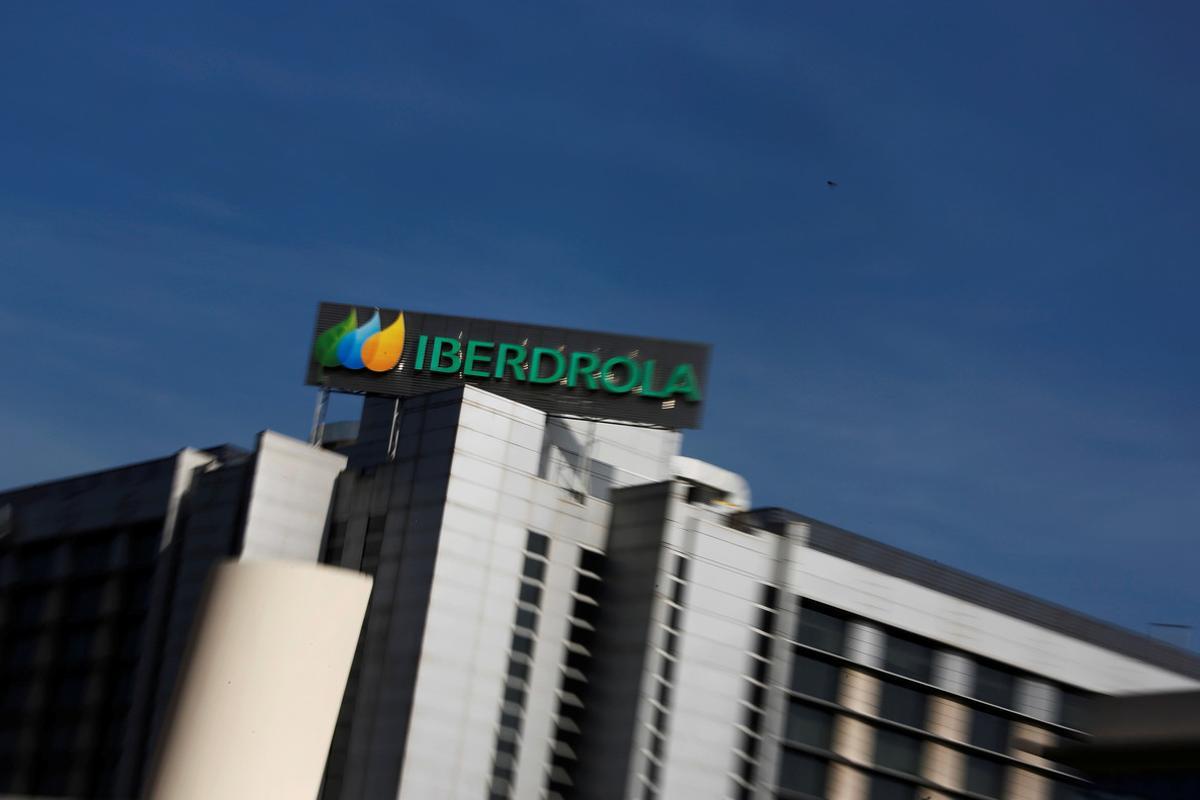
[{"x": 562, "y": 608}]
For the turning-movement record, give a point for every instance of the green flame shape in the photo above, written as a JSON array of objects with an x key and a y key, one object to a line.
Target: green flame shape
[{"x": 325, "y": 350}]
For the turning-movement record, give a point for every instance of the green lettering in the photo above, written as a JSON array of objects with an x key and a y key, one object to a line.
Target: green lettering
[
  {"x": 421, "y": 342},
  {"x": 583, "y": 364},
  {"x": 445, "y": 346},
  {"x": 648, "y": 381},
  {"x": 475, "y": 355},
  {"x": 683, "y": 381},
  {"x": 535, "y": 364},
  {"x": 609, "y": 369},
  {"x": 513, "y": 361}
]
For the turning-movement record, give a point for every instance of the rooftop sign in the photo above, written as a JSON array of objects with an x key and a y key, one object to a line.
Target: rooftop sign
[{"x": 562, "y": 371}]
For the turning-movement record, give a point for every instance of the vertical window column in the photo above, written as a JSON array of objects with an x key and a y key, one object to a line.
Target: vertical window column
[
  {"x": 762, "y": 649},
  {"x": 520, "y": 664},
  {"x": 574, "y": 691}
]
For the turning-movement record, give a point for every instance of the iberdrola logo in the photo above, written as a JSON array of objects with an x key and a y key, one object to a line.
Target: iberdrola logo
[{"x": 349, "y": 345}]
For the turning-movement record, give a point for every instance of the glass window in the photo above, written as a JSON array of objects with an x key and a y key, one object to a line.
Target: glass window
[
  {"x": 591, "y": 561},
  {"x": 821, "y": 628},
  {"x": 985, "y": 776},
  {"x": 809, "y": 725},
  {"x": 36, "y": 564},
  {"x": 534, "y": 569},
  {"x": 530, "y": 594},
  {"x": 801, "y": 772},
  {"x": 903, "y": 704},
  {"x": 1074, "y": 710},
  {"x": 92, "y": 555},
  {"x": 908, "y": 657},
  {"x": 815, "y": 678},
  {"x": 527, "y": 619},
  {"x": 994, "y": 684},
  {"x": 891, "y": 789},
  {"x": 522, "y": 644},
  {"x": 898, "y": 751},
  {"x": 989, "y": 731},
  {"x": 537, "y": 543}
]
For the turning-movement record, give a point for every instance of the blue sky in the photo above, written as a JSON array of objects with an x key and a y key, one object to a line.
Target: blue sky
[{"x": 981, "y": 345}]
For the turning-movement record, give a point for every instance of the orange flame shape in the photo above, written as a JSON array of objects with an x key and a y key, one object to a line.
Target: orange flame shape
[{"x": 382, "y": 351}]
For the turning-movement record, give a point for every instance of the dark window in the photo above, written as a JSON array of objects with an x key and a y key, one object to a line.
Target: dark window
[
  {"x": 671, "y": 642},
  {"x": 591, "y": 561},
  {"x": 762, "y": 645},
  {"x": 660, "y": 720},
  {"x": 891, "y": 789},
  {"x": 656, "y": 745},
  {"x": 29, "y": 609},
  {"x": 681, "y": 568},
  {"x": 908, "y": 657},
  {"x": 507, "y": 746},
  {"x": 821, "y": 628},
  {"x": 809, "y": 725},
  {"x": 537, "y": 543},
  {"x": 989, "y": 731},
  {"x": 677, "y": 593},
  {"x": 801, "y": 772},
  {"x": 510, "y": 721},
  {"x": 758, "y": 696},
  {"x": 36, "y": 564},
  {"x": 588, "y": 586},
  {"x": 1074, "y": 710},
  {"x": 86, "y": 600},
  {"x": 994, "y": 684},
  {"x": 902, "y": 704},
  {"x": 664, "y": 694},
  {"x": 518, "y": 670},
  {"x": 534, "y": 569},
  {"x": 514, "y": 695},
  {"x": 522, "y": 644},
  {"x": 815, "y": 678},
  {"x": 92, "y": 556},
  {"x": 527, "y": 619},
  {"x": 985, "y": 776},
  {"x": 770, "y": 596},
  {"x": 667, "y": 669},
  {"x": 674, "y": 619},
  {"x": 898, "y": 751},
  {"x": 761, "y": 668},
  {"x": 530, "y": 594}
]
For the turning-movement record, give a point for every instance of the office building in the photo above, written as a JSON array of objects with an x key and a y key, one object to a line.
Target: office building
[{"x": 562, "y": 608}]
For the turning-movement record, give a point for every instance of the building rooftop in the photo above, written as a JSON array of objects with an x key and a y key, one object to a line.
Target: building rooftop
[{"x": 908, "y": 566}]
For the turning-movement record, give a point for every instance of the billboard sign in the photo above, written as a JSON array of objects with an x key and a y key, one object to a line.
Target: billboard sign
[{"x": 369, "y": 350}]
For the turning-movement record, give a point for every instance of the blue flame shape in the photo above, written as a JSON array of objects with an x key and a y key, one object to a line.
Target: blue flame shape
[{"x": 349, "y": 347}]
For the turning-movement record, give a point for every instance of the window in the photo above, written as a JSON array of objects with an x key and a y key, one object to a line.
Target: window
[
  {"x": 898, "y": 751},
  {"x": 994, "y": 684},
  {"x": 989, "y": 731},
  {"x": 591, "y": 561},
  {"x": 891, "y": 789},
  {"x": 522, "y": 644},
  {"x": 801, "y": 772},
  {"x": 809, "y": 725},
  {"x": 677, "y": 593},
  {"x": 815, "y": 678},
  {"x": 527, "y": 619},
  {"x": 821, "y": 628},
  {"x": 902, "y": 704},
  {"x": 908, "y": 657},
  {"x": 1074, "y": 710},
  {"x": 537, "y": 543},
  {"x": 985, "y": 776},
  {"x": 530, "y": 594},
  {"x": 534, "y": 569}
]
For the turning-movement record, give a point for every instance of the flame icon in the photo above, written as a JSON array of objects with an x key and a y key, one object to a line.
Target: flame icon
[{"x": 347, "y": 344}]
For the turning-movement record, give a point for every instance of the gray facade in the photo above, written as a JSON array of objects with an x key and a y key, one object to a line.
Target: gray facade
[{"x": 562, "y": 608}]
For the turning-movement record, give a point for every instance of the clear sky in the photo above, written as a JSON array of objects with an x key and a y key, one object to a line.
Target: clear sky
[{"x": 981, "y": 345}]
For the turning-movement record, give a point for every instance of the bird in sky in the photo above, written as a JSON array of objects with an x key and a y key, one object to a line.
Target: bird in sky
[{"x": 831, "y": 184}]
